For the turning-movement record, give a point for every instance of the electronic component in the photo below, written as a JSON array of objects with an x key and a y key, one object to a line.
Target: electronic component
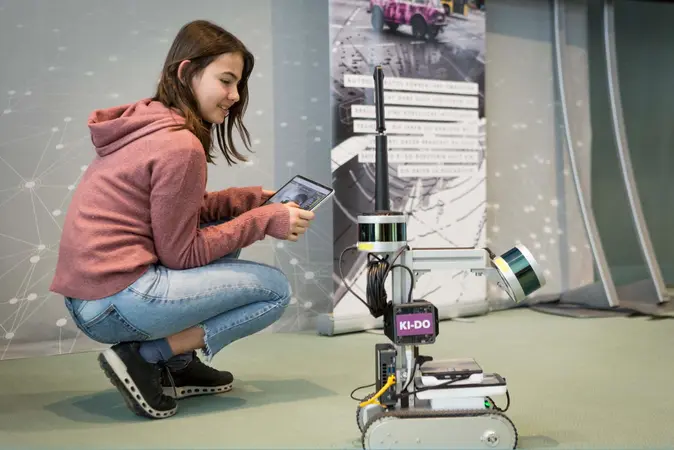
[
  {"x": 458, "y": 371},
  {"x": 385, "y": 366},
  {"x": 412, "y": 323}
]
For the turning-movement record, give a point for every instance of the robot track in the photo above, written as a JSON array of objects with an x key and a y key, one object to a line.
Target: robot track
[{"x": 446, "y": 429}]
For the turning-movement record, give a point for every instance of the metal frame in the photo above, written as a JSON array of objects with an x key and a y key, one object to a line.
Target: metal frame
[
  {"x": 612, "y": 80},
  {"x": 559, "y": 43}
]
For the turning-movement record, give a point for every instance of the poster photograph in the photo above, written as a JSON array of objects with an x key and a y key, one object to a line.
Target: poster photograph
[{"x": 432, "y": 53}]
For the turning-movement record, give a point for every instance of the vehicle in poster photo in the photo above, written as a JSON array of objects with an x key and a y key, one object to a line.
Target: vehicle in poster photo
[{"x": 427, "y": 18}]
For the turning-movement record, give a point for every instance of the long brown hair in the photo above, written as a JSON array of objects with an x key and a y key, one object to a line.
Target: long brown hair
[{"x": 201, "y": 42}]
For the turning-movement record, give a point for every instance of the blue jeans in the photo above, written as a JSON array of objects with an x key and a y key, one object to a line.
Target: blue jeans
[{"x": 229, "y": 298}]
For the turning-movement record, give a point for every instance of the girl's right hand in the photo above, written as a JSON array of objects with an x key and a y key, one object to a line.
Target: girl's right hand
[{"x": 299, "y": 221}]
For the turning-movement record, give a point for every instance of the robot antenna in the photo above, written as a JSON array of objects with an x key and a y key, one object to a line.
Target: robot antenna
[{"x": 381, "y": 191}]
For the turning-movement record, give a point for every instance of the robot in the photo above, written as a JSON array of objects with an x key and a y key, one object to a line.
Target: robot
[{"x": 419, "y": 402}]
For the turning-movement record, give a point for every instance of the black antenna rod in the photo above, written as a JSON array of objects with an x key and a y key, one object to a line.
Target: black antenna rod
[{"x": 381, "y": 194}]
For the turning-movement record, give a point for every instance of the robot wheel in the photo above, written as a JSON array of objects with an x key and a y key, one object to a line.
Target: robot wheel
[
  {"x": 365, "y": 414},
  {"x": 446, "y": 429}
]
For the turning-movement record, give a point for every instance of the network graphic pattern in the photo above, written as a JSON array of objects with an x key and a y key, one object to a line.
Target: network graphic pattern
[
  {"x": 534, "y": 200},
  {"x": 32, "y": 204}
]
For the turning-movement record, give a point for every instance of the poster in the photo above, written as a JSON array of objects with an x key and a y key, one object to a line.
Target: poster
[{"x": 433, "y": 61}]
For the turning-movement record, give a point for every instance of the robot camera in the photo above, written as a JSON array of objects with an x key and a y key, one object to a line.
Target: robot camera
[{"x": 414, "y": 323}]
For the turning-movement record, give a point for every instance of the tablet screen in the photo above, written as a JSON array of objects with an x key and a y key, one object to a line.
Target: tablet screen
[{"x": 306, "y": 193}]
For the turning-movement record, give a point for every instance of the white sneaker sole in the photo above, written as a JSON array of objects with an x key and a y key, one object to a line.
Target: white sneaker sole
[{"x": 191, "y": 391}]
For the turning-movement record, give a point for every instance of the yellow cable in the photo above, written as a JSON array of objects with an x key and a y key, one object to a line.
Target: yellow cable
[{"x": 390, "y": 382}]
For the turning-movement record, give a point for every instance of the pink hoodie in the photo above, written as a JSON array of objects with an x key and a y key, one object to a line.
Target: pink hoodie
[{"x": 142, "y": 200}]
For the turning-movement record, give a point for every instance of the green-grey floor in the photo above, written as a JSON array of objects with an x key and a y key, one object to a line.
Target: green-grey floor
[{"x": 574, "y": 383}]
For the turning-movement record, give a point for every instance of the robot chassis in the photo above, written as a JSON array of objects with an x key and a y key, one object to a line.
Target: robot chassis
[{"x": 419, "y": 402}]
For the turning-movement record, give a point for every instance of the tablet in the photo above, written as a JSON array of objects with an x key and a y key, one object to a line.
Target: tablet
[{"x": 307, "y": 193}]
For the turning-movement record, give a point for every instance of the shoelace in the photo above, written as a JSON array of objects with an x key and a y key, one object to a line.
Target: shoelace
[{"x": 164, "y": 367}]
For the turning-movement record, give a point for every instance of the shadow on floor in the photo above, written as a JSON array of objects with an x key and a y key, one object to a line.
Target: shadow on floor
[{"x": 107, "y": 406}]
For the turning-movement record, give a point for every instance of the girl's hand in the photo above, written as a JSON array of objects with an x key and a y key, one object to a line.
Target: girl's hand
[
  {"x": 299, "y": 221},
  {"x": 266, "y": 195}
]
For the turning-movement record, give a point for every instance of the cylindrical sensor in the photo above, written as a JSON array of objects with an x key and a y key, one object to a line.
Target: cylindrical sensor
[
  {"x": 520, "y": 272},
  {"x": 382, "y": 232}
]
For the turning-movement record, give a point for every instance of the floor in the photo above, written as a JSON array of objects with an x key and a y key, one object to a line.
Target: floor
[{"x": 574, "y": 383}]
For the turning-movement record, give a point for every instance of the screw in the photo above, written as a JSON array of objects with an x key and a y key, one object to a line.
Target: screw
[{"x": 490, "y": 438}]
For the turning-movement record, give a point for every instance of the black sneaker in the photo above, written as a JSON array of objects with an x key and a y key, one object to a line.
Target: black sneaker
[
  {"x": 137, "y": 380},
  {"x": 196, "y": 379}
]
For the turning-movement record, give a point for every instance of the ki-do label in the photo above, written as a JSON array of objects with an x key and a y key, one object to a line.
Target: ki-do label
[{"x": 415, "y": 324}]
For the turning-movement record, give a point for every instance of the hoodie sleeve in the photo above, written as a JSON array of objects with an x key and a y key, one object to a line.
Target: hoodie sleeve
[
  {"x": 230, "y": 202},
  {"x": 178, "y": 183}
]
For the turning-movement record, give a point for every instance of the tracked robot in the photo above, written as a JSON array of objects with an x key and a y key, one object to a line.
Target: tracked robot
[{"x": 419, "y": 402}]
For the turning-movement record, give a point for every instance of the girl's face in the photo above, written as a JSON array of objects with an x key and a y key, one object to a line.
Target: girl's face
[{"x": 216, "y": 87}]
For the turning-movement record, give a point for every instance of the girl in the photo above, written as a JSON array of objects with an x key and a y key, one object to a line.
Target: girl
[{"x": 148, "y": 258}]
